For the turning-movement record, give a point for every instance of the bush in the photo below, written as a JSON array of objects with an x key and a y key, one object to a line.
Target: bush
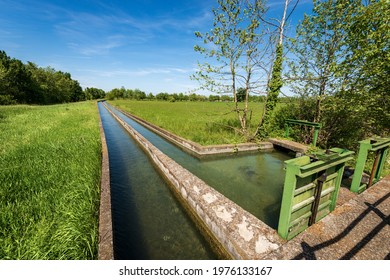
[
  {"x": 7, "y": 100},
  {"x": 342, "y": 124}
]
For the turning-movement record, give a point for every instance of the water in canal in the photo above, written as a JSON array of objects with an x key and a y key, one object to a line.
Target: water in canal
[
  {"x": 255, "y": 181},
  {"x": 148, "y": 222}
]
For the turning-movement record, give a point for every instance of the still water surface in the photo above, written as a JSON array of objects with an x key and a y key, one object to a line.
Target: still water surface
[
  {"x": 148, "y": 222},
  {"x": 254, "y": 181}
]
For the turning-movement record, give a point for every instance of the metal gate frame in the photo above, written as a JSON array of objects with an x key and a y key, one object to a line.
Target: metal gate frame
[
  {"x": 311, "y": 189},
  {"x": 379, "y": 145}
]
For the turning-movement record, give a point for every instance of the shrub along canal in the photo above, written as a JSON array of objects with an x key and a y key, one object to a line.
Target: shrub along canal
[{"x": 253, "y": 181}]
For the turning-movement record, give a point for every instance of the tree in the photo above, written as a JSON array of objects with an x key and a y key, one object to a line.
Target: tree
[
  {"x": 232, "y": 46},
  {"x": 213, "y": 98},
  {"x": 162, "y": 96},
  {"x": 241, "y": 94},
  {"x": 275, "y": 83},
  {"x": 28, "y": 83},
  {"x": 150, "y": 96},
  {"x": 341, "y": 69},
  {"x": 15, "y": 80},
  {"x": 367, "y": 65},
  {"x": 94, "y": 93},
  {"x": 139, "y": 94},
  {"x": 319, "y": 48}
]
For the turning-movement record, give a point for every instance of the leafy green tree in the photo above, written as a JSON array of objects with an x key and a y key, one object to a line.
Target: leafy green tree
[
  {"x": 162, "y": 96},
  {"x": 241, "y": 94},
  {"x": 341, "y": 67},
  {"x": 318, "y": 48},
  {"x": 232, "y": 48},
  {"x": 150, "y": 96},
  {"x": 213, "y": 98},
  {"x": 94, "y": 93},
  {"x": 15, "y": 80},
  {"x": 366, "y": 68},
  {"x": 139, "y": 94}
]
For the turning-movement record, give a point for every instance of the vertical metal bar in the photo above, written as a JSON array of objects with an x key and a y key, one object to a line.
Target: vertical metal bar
[
  {"x": 286, "y": 126},
  {"x": 335, "y": 194},
  {"x": 359, "y": 168},
  {"x": 374, "y": 167},
  {"x": 382, "y": 162},
  {"x": 315, "y": 137},
  {"x": 290, "y": 182},
  {"x": 317, "y": 197}
]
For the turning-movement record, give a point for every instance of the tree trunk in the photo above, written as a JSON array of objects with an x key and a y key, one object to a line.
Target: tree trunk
[{"x": 275, "y": 78}]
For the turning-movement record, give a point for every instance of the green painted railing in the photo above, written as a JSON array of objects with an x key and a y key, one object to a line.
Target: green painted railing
[{"x": 316, "y": 126}]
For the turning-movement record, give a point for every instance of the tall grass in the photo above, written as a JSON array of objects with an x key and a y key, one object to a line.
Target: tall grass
[
  {"x": 206, "y": 123},
  {"x": 49, "y": 181}
]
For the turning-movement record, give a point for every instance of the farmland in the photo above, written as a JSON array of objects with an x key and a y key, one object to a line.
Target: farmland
[{"x": 206, "y": 123}]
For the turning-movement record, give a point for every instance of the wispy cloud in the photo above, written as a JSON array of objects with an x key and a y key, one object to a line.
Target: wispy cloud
[
  {"x": 99, "y": 33},
  {"x": 139, "y": 72}
]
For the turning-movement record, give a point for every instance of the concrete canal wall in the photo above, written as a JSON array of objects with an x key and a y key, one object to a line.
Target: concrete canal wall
[
  {"x": 106, "y": 249},
  {"x": 239, "y": 233},
  {"x": 199, "y": 150}
]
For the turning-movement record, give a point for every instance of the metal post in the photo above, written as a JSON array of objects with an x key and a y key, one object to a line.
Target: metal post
[
  {"x": 316, "y": 203},
  {"x": 381, "y": 163},
  {"x": 287, "y": 132},
  {"x": 374, "y": 168},
  {"x": 315, "y": 137},
  {"x": 359, "y": 168}
]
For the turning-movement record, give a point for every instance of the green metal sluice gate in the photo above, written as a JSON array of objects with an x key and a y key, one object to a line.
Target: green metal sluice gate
[
  {"x": 310, "y": 189},
  {"x": 381, "y": 148}
]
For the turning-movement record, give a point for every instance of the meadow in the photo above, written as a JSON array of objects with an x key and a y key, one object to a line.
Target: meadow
[
  {"x": 50, "y": 161},
  {"x": 206, "y": 123}
]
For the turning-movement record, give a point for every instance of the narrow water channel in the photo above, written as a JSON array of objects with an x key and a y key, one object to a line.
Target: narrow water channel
[
  {"x": 255, "y": 181},
  {"x": 148, "y": 222}
]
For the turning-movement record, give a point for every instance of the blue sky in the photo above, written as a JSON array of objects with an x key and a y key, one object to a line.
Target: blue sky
[{"x": 145, "y": 44}]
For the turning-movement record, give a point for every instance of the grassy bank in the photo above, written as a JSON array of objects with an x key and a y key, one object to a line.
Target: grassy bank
[
  {"x": 206, "y": 123},
  {"x": 49, "y": 181}
]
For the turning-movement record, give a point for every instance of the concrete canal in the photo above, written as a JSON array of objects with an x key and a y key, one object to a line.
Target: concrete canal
[
  {"x": 148, "y": 222},
  {"x": 253, "y": 181}
]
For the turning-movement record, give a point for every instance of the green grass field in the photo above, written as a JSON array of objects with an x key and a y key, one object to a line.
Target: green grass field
[
  {"x": 50, "y": 161},
  {"x": 206, "y": 123}
]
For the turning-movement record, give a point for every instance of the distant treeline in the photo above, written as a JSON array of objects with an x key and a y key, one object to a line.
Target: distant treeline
[
  {"x": 137, "y": 94},
  {"x": 22, "y": 83},
  {"x": 30, "y": 84}
]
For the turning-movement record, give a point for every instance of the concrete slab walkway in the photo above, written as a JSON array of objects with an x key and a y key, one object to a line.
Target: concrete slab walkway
[
  {"x": 359, "y": 229},
  {"x": 289, "y": 145}
]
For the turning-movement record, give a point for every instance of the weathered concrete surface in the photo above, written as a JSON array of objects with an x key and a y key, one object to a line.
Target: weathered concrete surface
[
  {"x": 106, "y": 250},
  {"x": 242, "y": 235},
  {"x": 290, "y": 145},
  {"x": 358, "y": 229},
  {"x": 199, "y": 150}
]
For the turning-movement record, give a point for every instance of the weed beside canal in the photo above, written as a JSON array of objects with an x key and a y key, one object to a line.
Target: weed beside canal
[{"x": 49, "y": 181}]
